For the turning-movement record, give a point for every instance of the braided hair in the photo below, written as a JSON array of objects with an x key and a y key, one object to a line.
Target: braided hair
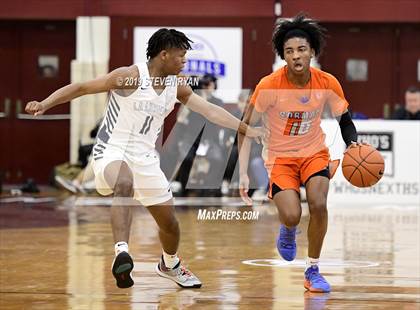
[{"x": 165, "y": 39}]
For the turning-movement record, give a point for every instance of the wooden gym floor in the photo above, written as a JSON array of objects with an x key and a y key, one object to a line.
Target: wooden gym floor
[{"x": 59, "y": 255}]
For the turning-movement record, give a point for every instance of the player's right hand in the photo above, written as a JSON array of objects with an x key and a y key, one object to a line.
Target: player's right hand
[
  {"x": 254, "y": 132},
  {"x": 243, "y": 189},
  {"x": 35, "y": 108}
]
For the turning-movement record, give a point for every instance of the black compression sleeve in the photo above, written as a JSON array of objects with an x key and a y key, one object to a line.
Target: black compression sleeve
[{"x": 348, "y": 130}]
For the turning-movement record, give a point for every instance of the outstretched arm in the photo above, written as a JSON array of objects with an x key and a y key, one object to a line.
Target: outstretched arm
[
  {"x": 112, "y": 80},
  {"x": 214, "y": 113}
]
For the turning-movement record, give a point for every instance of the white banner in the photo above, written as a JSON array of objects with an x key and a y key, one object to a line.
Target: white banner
[
  {"x": 216, "y": 50},
  {"x": 399, "y": 144}
]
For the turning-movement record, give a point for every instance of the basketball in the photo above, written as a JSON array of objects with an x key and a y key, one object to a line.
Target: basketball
[{"x": 363, "y": 166}]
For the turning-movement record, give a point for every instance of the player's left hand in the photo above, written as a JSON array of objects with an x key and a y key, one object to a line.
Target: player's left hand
[
  {"x": 355, "y": 144},
  {"x": 243, "y": 189},
  {"x": 255, "y": 132}
]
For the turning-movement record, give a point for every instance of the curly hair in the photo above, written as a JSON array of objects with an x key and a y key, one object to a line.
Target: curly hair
[
  {"x": 166, "y": 38},
  {"x": 300, "y": 26}
]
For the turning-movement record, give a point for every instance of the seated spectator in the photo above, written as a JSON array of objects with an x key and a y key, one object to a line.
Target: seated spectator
[
  {"x": 199, "y": 146},
  {"x": 83, "y": 181},
  {"x": 411, "y": 109}
]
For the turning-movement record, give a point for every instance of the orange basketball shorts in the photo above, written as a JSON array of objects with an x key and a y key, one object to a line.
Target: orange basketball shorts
[{"x": 290, "y": 173}]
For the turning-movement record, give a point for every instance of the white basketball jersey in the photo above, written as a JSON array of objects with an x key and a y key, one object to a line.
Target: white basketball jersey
[{"x": 133, "y": 123}]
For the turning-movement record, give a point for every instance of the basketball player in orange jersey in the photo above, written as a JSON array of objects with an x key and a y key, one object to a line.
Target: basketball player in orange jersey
[
  {"x": 290, "y": 102},
  {"x": 125, "y": 161}
]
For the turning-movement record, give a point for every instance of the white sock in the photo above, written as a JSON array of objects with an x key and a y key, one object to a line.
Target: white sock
[
  {"x": 170, "y": 260},
  {"x": 311, "y": 262},
  {"x": 121, "y": 246}
]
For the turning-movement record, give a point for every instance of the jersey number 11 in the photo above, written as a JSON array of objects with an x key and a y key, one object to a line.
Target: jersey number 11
[{"x": 146, "y": 125}]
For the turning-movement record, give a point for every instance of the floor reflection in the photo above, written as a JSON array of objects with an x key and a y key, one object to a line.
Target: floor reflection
[{"x": 370, "y": 256}]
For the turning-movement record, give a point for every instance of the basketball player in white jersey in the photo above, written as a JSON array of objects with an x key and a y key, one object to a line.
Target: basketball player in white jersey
[{"x": 124, "y": 158}]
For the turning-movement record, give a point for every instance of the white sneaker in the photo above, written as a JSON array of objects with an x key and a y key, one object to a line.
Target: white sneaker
[
  {"x": 176, "y": 186},
  {"x": 260, "y": 195},
  {"x": 67, "y": 184},
  {"x": 303, "y": 194},
  {"x": 78, "y": 186},
  {"x": 179, "y": 274},
  {"x": 225, "y": 188}
]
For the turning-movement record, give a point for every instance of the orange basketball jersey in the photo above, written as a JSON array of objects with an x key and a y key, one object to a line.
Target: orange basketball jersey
[{"x": 292, "y": 115}]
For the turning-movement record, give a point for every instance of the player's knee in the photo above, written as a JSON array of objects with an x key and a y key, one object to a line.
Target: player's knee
[
  {"x": 124, "y": 187},
  {"x": 318, "y": 207},
  {"x": 291, "y": 220}
]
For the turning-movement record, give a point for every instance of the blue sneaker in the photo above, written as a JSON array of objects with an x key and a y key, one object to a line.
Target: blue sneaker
[
  {"x": 286, "y": 243},
  {"x": 315, "y": 282}
]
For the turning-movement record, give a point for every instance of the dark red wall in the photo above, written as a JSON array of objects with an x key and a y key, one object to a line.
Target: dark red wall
[
  {"x": 328, "y": 11},
  {"x": 392, "y": 52},
  {"x": 70, "y": 9},
  {"x": 190, "y": 8},
  {"x": 256, "y": 17},
  {"x": 356, "y": 10}
]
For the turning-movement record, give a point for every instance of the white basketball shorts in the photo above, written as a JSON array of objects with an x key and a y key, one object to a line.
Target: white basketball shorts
[{"x": 150, "y": 184}]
